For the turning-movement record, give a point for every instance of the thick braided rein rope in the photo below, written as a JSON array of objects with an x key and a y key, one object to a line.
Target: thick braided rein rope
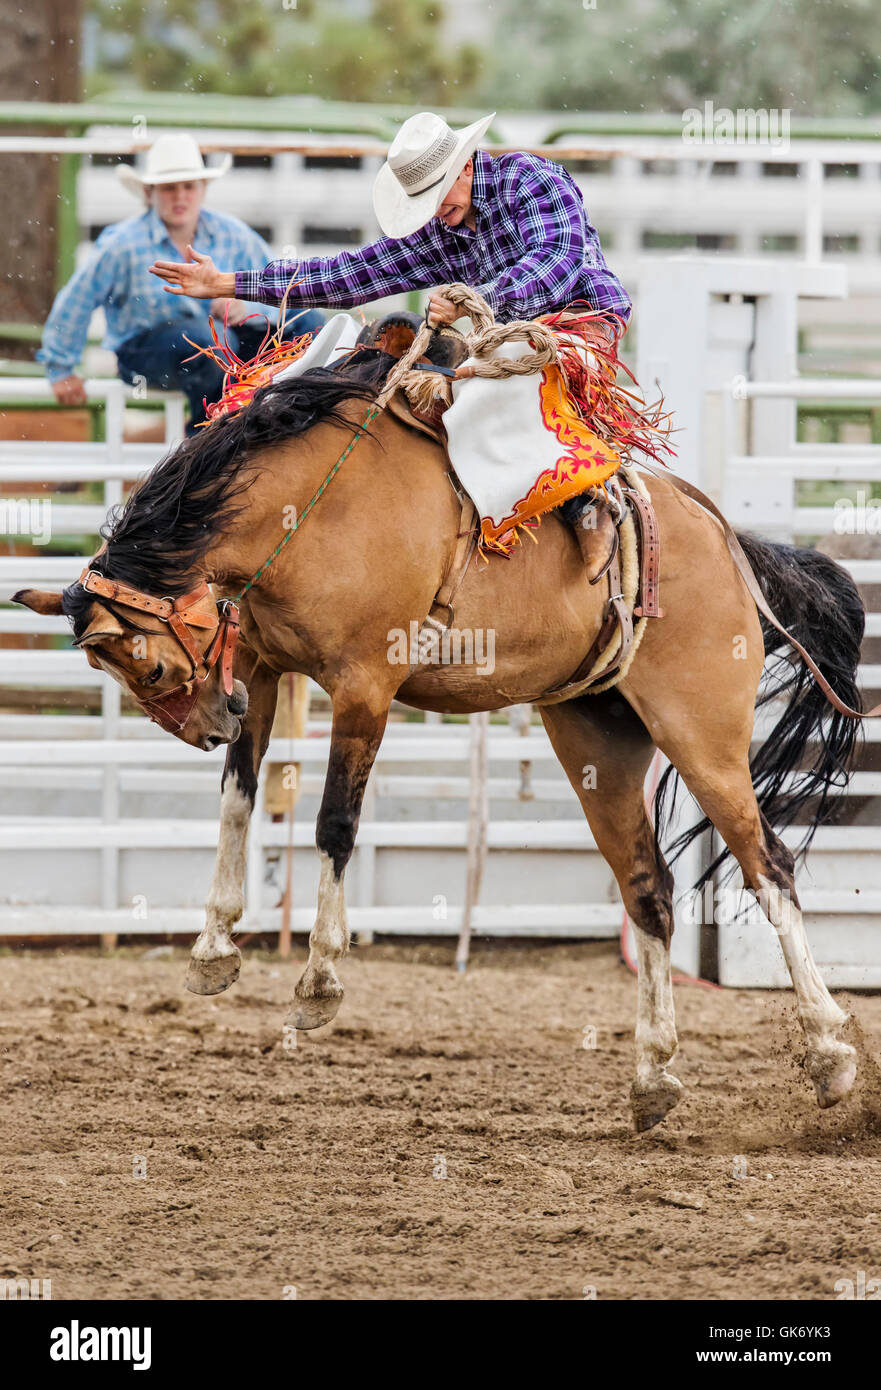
[
  {"x": 487, "y": 336},
  {"x": 482, "y": 343}
]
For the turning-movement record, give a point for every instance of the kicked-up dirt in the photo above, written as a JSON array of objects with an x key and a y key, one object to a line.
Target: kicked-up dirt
[{"x": 446, "y": 1137}]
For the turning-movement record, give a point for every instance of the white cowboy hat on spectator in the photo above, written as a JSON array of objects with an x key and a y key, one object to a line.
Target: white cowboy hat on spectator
[
  {"x": 172, "y": 159},
  {"x": 424, "y": 160}
]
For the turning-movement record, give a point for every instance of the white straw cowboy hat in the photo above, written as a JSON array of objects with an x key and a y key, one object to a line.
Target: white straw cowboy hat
[
  {"x": 424, "y": 160},
  {"x": 172, "y": 159}
]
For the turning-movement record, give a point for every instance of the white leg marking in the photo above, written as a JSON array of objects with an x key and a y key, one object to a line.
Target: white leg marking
[
  {"x": 655, "y": 1023},
  {"x": 654, "y": 1091},
  {"x": 330, "y": 936},
  {"x": 215, "y": 959},
  {"x": 818, "y": 1010},
  {"x": 319, "y": 993},
  {"x": 831, "y": 1064}
]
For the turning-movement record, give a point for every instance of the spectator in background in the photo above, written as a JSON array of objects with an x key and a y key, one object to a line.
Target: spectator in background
[{"x": 145, "y": 329}]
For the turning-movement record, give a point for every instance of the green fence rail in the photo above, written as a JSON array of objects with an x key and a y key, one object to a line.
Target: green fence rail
[{"x": 615, "y": 124}]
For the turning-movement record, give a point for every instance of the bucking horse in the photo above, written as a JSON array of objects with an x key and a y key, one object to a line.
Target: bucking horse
[{"x": 197, "y": 604}]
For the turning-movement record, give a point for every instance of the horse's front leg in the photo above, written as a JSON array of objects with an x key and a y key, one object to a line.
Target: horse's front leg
[
  {"x": 358, "y": 725},
  {"x": 215, "y": 959}
]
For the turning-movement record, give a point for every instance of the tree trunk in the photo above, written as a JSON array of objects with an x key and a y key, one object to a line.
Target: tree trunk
[{"x": 39, "y": 61}]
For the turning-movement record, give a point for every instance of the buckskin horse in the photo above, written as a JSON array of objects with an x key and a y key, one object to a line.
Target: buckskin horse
[{"x": 372, "y": 558}]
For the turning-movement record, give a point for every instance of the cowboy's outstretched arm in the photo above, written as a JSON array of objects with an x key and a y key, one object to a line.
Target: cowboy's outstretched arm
[{"x": 386, "y": 266}]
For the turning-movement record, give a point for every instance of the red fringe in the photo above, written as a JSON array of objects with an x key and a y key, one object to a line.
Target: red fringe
[
  {"x": 618, "y": 416},
  {"x": 242, "y": 379}
]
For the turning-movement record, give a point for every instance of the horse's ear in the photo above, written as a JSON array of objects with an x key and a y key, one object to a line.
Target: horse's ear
[
  {"x": 40, "y": 600},
  {"x": 102, "y": 627}
]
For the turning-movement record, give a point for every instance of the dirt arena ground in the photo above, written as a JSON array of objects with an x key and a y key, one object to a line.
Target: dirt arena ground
[{"x": 321, "y": 1167}]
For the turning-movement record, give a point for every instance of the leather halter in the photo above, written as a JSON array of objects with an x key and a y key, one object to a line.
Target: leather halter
[{"x": 173, "y": 708}]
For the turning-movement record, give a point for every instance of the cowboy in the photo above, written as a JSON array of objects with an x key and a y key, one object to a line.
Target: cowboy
[
  {"x": 513, "y": 227},
  {"x": 148, "y": 335}
]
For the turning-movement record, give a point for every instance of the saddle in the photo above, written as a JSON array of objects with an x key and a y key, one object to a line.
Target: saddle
[
  {"x": 604, "y": 665},
  {"x": 395, "y": 332},
  {"x": 635, "y": 520}
]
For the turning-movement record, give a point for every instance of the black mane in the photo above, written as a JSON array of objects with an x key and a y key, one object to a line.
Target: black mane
[{"x": 155, "y": 540}]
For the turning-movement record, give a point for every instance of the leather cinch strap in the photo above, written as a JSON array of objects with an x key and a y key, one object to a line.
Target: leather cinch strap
[
  {"x": 616, "y": 616},
  {"x": 441, "y": 615},
  {"x": 620, "y": 616},
  {"x": 466, "y": 542},
  {"x": 755, "y": 591}
]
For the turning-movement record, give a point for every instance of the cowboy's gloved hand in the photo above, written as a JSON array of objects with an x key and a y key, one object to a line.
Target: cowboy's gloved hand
[
  {"x": 441, "y": 311},
  {"x": 197, "y": 277}
]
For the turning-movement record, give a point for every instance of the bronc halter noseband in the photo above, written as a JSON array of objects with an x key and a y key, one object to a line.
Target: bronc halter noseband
[{"x": 172, "y": 709}]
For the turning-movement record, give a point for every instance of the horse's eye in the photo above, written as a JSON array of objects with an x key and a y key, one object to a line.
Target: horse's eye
[{"x": 153, "y": 676}]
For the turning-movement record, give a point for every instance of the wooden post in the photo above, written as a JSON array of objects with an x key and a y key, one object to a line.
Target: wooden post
[
  {"x": 292, "y": 715},
  {"x": 111, "y": 694},
  {"x": 520, "y": 718},
  {"x": 478, "y": 821}
]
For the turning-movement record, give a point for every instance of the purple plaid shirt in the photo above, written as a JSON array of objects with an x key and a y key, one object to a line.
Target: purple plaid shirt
[{"x": 532, "y": 252}]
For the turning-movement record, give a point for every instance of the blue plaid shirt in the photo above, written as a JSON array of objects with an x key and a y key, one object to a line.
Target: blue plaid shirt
[
  {"x": 532, "y": 251},
  {"x": 116, "y": 278}
]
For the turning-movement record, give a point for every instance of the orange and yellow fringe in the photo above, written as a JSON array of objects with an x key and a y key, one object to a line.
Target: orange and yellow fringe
[
  {"x": 598, "y": 423},
  {"x": 242, "y": 379}
]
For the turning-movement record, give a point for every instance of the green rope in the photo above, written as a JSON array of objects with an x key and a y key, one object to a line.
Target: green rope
[{"x": 372, "y": 414}]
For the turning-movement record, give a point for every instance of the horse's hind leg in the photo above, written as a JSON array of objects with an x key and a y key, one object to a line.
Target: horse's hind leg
[
  {"x": 712, "y": 755},
  {"x": 769, "y": 874},
  {"x": 830, "y": 1063},
  {"x": 606, "y": 751},
  {"x": 359, "y": 717}
]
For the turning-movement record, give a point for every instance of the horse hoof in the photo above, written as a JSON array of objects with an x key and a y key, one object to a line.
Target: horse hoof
[
  {"x": 307, "y": 1014},
  {"x": 650, "y": 1105},
  {"x": 213, "y": 976},
  {"x": 833, "y": 1073}
]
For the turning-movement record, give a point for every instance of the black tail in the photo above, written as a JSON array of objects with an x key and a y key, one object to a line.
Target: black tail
[{"x": 811, "y": 746}]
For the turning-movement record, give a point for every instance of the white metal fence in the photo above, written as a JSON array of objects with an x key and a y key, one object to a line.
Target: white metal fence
[
  {"x": 645, "y": 194},
  {"x": 761, "y": 494},
  {"x": 816, "y": 199}
]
